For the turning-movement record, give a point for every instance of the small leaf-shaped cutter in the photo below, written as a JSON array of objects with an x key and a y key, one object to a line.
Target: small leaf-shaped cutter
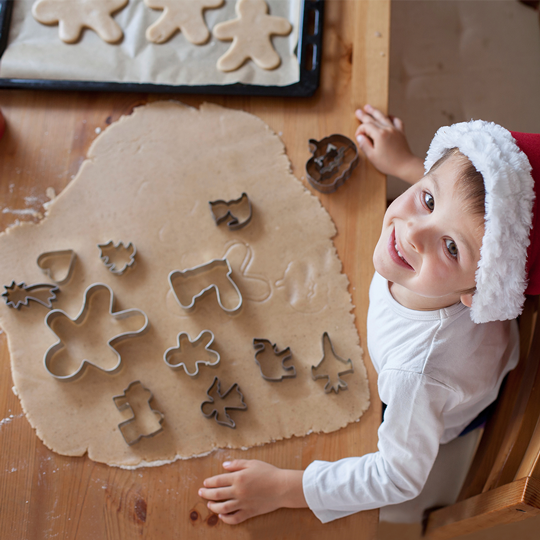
[
  {"x": 233, "y": 223},
  {"x": 259, "y": 345},
  {"x": 214, "y": 412},
  {"x": 127, "y": 406},
  {"x": 195, "y": 343},
  {"x": 202, "y": 269},
  {"x": 53, "y": 349},
  {"x": 51, "y": 255},
  {"x": 341, "y": 384},
  {"x": 111, "y": 266},
  {"x": 53, "y": 289}
]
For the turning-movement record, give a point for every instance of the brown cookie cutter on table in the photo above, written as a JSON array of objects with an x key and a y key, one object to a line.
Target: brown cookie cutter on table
[
  {"x": 329, "y": 156},
  {"x": 233, "y": 223},
  {"x": 41, "y": 262},
  {"x": 260, "y": 345},
  {"x": 230, "y": 423},
  {"x": 328, "y": 387},
  {"x": 195, "y": 343},
  {"x": 59, "y": 345},
  {"x": 14, "y": 288},
  {"x": 202, "y": 269},
  {"x": 112, "y": 266},
  {"x": 125, "y": 406}
]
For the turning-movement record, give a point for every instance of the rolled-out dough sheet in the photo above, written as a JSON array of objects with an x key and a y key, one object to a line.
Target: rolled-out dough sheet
[{"x": 148, "y": 180}]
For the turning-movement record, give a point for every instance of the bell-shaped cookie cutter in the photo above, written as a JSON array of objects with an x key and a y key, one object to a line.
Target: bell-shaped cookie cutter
[
  {"x": 195, "y": 343},
  {"x": 233, "y": 223},
  {"x": 58, "y": 253},
  {"x": 231, "y": 423},
  {"x": 177, "y": 275},
  {"x": 59, "y": 345},
  {"x": 341, "y": 383},
  {"x": 126, "y": 406},
  {"x": 112, "y": 266},
  {"x": 53, "y": 289}
]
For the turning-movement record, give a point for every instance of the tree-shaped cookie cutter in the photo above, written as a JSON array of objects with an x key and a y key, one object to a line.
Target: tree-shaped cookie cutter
[
  {"x": 112, "y": 266},
  {"x": 59, "y": 345},
  {"x": 126, "y": 406},
  {"x": 233, "y": 223},
  {"x": 260, "y": 344},
  {"x": 29, "y": 289},
  {"x": 214, "y": 412},
  {"x": 341, "y": 383},
  {"x": 53, "y": 254},
  {"x": 178, "y": 275},
  {"x": 195, "y": 343}
]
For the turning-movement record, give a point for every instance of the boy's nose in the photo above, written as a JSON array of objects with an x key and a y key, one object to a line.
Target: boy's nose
[{"x": 416, "y": 235}]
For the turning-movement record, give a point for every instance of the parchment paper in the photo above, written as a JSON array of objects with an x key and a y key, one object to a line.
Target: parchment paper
[{"x": 36, "y": 52}]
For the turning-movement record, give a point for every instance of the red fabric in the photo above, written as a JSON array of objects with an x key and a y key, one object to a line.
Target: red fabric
[{"x": 529, "y": 143}]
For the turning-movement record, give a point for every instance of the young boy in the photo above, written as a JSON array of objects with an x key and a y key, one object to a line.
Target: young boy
[{"x": 450, "y": 278}]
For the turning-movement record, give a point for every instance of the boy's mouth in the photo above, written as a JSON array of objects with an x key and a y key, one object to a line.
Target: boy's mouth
[{"x": 395, "y": 253}]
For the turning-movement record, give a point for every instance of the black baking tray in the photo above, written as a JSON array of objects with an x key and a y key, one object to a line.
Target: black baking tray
[{"x": 309, "y": 51}]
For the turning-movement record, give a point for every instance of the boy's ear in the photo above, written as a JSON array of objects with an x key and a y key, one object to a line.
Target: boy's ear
[{"x": 466, "y": 299}]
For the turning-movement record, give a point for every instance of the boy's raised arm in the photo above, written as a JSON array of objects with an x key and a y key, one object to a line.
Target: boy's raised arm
[
  {"x": 382, "y": 139},
  {"x": 251, "y": 488}
]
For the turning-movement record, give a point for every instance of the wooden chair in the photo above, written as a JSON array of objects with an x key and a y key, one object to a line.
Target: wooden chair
[{"x": 503, "y": 482}]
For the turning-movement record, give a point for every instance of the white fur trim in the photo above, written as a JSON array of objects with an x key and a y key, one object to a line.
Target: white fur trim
[{"x": 500, "y": 277}]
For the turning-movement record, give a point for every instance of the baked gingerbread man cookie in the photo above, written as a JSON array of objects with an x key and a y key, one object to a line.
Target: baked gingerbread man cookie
[
  {"x": 251, "y": 36},
  {"x": 74, "y": 15},
  {"x": 184, "y": 15}
]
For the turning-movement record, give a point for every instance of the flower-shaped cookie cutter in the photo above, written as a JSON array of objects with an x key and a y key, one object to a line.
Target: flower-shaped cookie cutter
[
  {"x": 112, "y": 266},
  {"x": 341, "y": 384},
  {"x": 177, "y": 276},
  {"x": 194, "y": 344},
  {"x": 80, "y": 319}
]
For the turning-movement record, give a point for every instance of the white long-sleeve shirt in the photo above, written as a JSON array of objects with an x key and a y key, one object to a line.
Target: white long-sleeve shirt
[{"x": 437, "y": 371}]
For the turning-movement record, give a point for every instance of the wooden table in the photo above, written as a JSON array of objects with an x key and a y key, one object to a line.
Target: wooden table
[{"x": 45, "y": 495}]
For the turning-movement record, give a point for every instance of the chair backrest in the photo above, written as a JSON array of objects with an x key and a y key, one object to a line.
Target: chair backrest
[{"x": 503, "y": 483}]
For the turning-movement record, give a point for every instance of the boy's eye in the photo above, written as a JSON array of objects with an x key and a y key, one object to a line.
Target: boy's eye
[
  {"x": 451, "y": 247},
  {"x": 429, "y": 201}
]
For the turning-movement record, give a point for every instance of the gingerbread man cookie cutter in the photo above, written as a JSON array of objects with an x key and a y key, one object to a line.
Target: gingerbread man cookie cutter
[
  {"x": 167, "y": 356},
  {"x": 80, "y": 319}
]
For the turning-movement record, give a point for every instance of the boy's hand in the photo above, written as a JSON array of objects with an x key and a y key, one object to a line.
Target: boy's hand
[
  {"x": 382, "y": 139},
  {"x": 251, "y": 488}
]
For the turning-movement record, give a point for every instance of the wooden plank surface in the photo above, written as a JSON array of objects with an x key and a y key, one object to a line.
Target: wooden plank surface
[{"x": 45, "y": 495}]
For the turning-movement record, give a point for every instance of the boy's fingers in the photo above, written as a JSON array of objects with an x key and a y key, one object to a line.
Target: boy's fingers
[
  {"x": 236, "y": 465},
  {"x": 216, "y": 494},
  {"x": 226, "y": 507},
  {"x": 371, "y": 130},
  {"x": 234, "y": 519},
  {"x": 365, "y": 143},
  {"x": 398, "y": 123},
  {"x": 221, "y": 480},
  {"x": 379, "y": 116}
]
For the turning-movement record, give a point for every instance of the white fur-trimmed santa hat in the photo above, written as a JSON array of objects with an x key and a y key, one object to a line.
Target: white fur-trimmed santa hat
[{"x": 509, "y": 266}]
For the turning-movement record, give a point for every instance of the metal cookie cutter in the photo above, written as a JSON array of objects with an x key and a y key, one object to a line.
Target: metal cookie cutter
[
  {"x": 260, "y": 345},
  {"x": 232, "y": 221},
  {"x": 194, "y": 344},
  {"x": 340, "y": 383},
  {"x": 112, "y": 266},
  {"x": 46, "y": 269},
  {"x": 23, "y": 293},
  {"x": 229, "y": 422},
  {"x": 329, "y": 155},
  {"x": 80, "y": 319},
  {"x": 177, "y": 276},
  {"x": 126, "y": 405}
]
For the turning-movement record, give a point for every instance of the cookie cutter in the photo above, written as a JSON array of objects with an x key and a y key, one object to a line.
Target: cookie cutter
[
  {"x": 328, "y": 387},
  {"x": 195, "y": 343},
  {"x": 112, "y": 266},
  {"x": 259, "y": 345},
  {"x": 58, "y": 253},
  {"x": 176, "y": 275},
  {"x": 79, "y": 319},
  {"x": 233, "y": 223},
  {"x": 9, "y": 289},
  {"x": 125, "y": 406},
  {"x": 329, "y": 154},
  {"x": 214, "y": 412}
]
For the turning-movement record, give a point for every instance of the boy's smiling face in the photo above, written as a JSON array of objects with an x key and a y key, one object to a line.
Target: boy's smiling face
[{"x": 429, "y": 246}]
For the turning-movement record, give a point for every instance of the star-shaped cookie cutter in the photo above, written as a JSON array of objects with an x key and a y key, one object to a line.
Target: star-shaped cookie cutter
[
  {"x": 214, "y": 412},
  {"x": 29, "y": 297},
  {"x": 195, "y": 343},
  {"x": 341, "y": 384},
  {"x": 177, "y": 275},
  {"x": 59, "y": 345}
]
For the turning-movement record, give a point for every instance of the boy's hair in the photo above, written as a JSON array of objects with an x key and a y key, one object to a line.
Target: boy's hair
[{"x": 470, "y": 182}]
